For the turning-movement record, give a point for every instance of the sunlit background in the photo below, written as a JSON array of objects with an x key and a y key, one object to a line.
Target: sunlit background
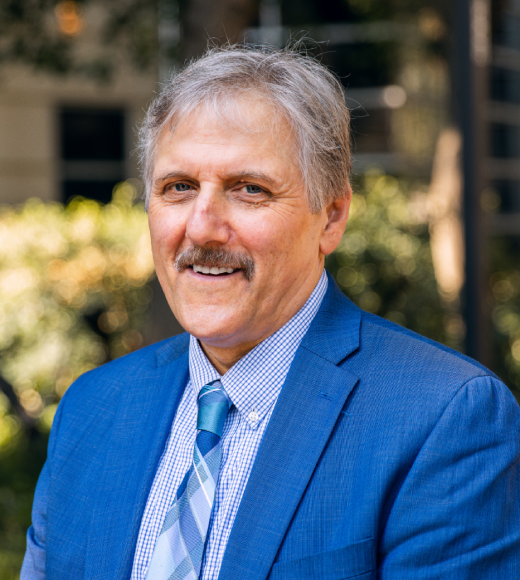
[{"x": 434, "y": 235}]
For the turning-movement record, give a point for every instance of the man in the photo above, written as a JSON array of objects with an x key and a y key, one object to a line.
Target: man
[{"x": 287, "y": 434}]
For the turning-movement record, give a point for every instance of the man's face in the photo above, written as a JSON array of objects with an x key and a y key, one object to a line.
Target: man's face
[{"x": 217, "y": 187}]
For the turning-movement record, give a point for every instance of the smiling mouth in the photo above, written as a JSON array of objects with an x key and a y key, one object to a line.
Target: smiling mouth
[
  {"x": 213, "y": 270},
  {"x": 215, "y": 262}
]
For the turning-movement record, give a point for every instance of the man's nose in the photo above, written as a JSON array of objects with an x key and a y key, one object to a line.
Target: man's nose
[{"x": 207, "y": 222}]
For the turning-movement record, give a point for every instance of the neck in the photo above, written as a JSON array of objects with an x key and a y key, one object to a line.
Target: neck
[{"x": 224, "y": 358}]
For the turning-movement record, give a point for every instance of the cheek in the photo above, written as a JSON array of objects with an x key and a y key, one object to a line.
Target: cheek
[
  {"x": 274, "y": 247},
  {"x": 166, "y": 234},
  {"x": 264, "y": 240}
]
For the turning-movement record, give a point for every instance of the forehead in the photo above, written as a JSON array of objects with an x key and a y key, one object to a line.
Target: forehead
[{"x": 248, "y": 116}]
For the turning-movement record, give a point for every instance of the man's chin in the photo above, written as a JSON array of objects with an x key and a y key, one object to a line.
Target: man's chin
[{"x": 210, "y": 327}]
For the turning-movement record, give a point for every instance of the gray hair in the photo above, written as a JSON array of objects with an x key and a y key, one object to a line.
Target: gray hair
[{"x": 306, "y": 94}]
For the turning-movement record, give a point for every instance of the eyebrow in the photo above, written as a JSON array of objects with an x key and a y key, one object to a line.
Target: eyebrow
[
  {"x": 257, "y": 175},
  {"x": 172, "y": 174}
]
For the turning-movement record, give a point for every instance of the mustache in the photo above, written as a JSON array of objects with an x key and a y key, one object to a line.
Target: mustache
[{"x": 215, "y": 257}]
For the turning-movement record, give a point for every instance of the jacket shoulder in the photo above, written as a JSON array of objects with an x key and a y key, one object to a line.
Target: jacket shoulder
[
  {"x": 407, "y": 348},
  {"x": 414, "y": 377}
]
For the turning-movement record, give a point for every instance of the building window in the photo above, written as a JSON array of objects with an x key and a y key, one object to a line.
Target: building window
[{"x": 92, "y": 152}]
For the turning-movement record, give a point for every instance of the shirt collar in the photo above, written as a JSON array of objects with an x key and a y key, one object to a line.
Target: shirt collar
[{"x": 255, "y": 381}]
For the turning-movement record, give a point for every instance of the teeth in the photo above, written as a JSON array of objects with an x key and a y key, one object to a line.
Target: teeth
[{"x": 214, "y": 270}]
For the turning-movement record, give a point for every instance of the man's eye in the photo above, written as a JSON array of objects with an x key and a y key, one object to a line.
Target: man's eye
[
  {"x": 181, "y": 187},
  {"x": 253, "y": 189}
]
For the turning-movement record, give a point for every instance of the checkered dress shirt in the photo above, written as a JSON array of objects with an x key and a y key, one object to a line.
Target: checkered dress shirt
[{"x": 253, "y": 385}]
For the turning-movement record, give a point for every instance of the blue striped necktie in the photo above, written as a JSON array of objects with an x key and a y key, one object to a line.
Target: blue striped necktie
[{"x": 179, "y": 548}]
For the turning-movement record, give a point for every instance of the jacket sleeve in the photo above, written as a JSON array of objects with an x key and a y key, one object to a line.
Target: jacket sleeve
[
  {"x": 457, "y": 513},
  {"x": 33, "y": 567}
]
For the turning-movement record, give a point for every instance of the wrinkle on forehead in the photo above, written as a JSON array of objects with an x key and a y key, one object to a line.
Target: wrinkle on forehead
[{"x": 248, "y": 112}]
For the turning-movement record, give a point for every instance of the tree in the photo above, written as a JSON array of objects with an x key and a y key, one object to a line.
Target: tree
[
  {"x": 45, "y": 35},
  {"x": 66, "y": 273}
]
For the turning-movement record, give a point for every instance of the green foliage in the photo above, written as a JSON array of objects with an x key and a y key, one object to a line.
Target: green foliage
[
  {"x": 20, "y": 465},
  {"x": 504, "y": 299},
  {"x": 45, "y": 34},
  {"x": 59, "y": 268},
  {"x": 26, "y": 38},
  {"x": 383, "y": 262},
  {"x": 73, "y": 294}
]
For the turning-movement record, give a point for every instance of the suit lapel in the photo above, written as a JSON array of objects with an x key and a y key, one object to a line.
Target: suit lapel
[
  {"x": 307, "y": 409},
  {"x": 136, "y": 442}
]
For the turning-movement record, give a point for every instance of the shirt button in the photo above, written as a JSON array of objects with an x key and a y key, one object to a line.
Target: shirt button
[{"x": 253, "y": 416}]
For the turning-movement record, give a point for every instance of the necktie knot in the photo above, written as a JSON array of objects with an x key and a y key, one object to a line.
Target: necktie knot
[{"x": 214, "y": 404}]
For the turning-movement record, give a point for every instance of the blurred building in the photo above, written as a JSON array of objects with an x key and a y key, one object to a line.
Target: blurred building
[
  {"x": 67, "y": 135},
  {"x": 503, "y": 167},
  {"x": 395, "y": 74}
]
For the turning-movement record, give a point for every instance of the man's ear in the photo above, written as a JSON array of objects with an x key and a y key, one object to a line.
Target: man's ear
[{"x": 337, "y": 215}]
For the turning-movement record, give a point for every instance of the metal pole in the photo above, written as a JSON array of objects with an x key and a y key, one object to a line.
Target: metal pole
[{"x": 472, "y": 56}]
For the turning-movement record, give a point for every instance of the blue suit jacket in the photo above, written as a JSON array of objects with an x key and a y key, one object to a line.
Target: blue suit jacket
[{"x": 387, "y": 456}]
